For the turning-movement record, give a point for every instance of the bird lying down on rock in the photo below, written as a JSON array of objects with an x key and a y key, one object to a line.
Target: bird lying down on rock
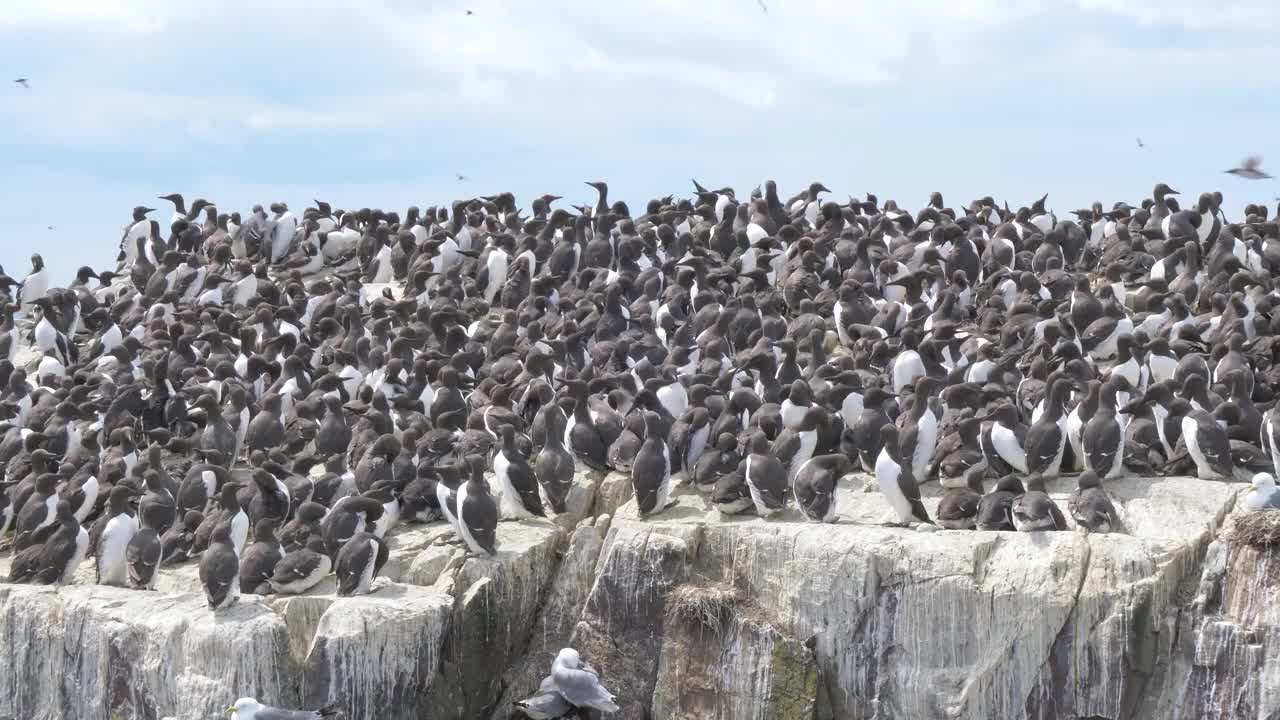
[{"x": 247, "y": 708}]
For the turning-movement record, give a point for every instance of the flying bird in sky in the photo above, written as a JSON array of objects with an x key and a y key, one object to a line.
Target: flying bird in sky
[
  {"x": 462, "y": 177},
  {"x": 1250, "y": 169},
  {"x": 470, "y": 13},
  {"x": 23, "y": 83},
  {"x": 1140, "y": 143},
  {"x": 763, "y": 6}
]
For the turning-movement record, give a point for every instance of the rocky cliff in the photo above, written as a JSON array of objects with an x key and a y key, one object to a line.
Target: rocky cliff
[{"x": 690, "y": 615}]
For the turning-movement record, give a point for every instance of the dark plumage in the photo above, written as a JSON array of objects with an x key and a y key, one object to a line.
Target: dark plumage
[
  {"x": 1091, "y": 508},
  {"x": 220, "y": 568},
  {"x": 359, "y": 561}
]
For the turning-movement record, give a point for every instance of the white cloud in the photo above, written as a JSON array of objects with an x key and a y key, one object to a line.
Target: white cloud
[
  {"x": 1236, "y": 15},
  {"x": 1082, "y": 59},
  {"x": 584, "y": 63},
  {"x": 131, "y": 17}
]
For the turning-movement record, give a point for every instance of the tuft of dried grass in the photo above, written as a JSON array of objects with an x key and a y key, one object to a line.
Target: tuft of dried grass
[
  {"x": 713, "y": 607},
  {"x": 1260, "y": 528}
]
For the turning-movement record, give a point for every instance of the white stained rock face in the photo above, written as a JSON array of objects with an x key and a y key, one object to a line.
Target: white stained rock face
[
  {"x": 852, "y": 620},
  {"x": 559, "y": 614},
  {"x": 92, "y": 652},
  {"x": 1230, "y": 660},
  {"x": 375, "y": 654},
  {"x": 95, "y": 653},
  {"x": 951, "y": 624}
]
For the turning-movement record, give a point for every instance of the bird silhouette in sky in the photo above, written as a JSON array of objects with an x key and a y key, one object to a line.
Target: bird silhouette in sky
[
  {"x": 1250, "y": 169},
  {"x": 23, "y": 83}
]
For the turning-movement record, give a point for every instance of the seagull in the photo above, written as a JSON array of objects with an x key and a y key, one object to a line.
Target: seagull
[
  {"x": 1249, "y": 169},
  {"x": 470, "y": 13},
  {"x": 763, "y": 6},
  {"x": 1140, "y": 143},
  {"x": 579, "y": 683},
  {"x": 1263, "y": 494},
  {"x": 23, "y": 83},
  {"x": 247, "y": 708},
  {"x": 462, "y": 177}
]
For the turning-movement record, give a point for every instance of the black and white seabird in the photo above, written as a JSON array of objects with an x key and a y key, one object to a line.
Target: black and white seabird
[
  {"x": 38, "y": 511},
  {"x": 111, "y": 545},
  {"x": 303, "y": 569},
  {"x": 258, "y": 561},
  {"x": 220, "y": 568},
  {"x": 722, "y": 458},
  {"x": 651, "y": 470},
  {"x": 1046, "y": 439},
  {"x": 270, "y": 498},
  {"x": 896, "y": 481},
  {"x": 995, "y": 509},
  {"x": 1102, "y": 438},
  {"x": 35, "y": 286},
  {"x": 349, "y": 517},
  {"x": 920, "y": 429},
  {"x": 1005, "y": 438},
  {"x": 958, "y": 507},
  {"x": 177, "y": 543},
  {"x": 797, "y": 443},
  {"x": 518, "y": 493},
  {"x": 60, "y": 549},
  {"x": 765, "y": 476},
  {"x": 555, "y": 466},
  {"x": 359, "y": 562},
  {"x": 1206, "y": 441},
  {"x": 1034, "y": 510},
  {"x": 158, "y": 501},
  {"x": 814, "y": 485},
  {"x": 202, "y": 483},
  {"x": 145, "y": 550},
  {"x": 1090, "y": 506},
  {"x": 730, "y": 494},
  {"x": 477, "y": 512}
]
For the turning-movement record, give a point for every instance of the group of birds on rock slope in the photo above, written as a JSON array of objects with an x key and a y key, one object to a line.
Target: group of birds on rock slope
[{"x": 759, "y": 348}]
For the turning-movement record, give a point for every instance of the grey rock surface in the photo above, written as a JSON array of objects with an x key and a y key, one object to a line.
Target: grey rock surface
[{"x": 690, "y": 615}]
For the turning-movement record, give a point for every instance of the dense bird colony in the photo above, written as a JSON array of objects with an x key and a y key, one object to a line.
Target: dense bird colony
[{"x": 269, "y": 395}]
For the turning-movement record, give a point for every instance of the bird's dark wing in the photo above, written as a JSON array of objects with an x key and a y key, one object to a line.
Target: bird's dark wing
[{"x": 1040, "y": 462}]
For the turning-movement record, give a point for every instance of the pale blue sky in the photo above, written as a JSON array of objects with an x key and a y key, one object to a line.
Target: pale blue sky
[{"x": 383, "y": 103}]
